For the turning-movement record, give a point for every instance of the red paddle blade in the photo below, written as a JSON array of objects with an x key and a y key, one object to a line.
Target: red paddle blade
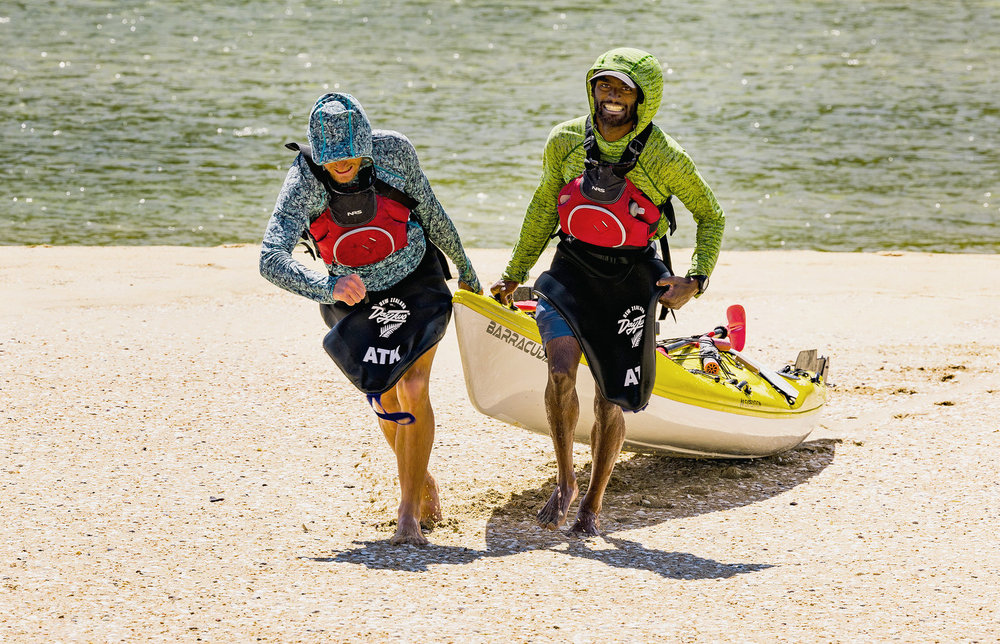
[{"x": 737, "y": 326}]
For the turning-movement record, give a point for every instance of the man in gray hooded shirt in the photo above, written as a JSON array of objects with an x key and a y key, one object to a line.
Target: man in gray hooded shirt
[{"x": 347, "y": 162}]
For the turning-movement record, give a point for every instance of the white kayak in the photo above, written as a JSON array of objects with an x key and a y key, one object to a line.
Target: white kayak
[{"x": 744, "y": 411}]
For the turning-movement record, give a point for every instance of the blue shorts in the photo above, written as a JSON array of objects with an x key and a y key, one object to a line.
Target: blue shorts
[{"x": 550, "y": 324}]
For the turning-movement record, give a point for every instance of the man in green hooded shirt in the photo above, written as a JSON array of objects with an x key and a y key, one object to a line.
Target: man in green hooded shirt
[{"x": 625, "y": 87}]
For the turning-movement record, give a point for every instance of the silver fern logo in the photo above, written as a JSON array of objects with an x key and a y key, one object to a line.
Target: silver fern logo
[
  {"x": 632, "y": 323},
  {"x": 391, "y": 313}
]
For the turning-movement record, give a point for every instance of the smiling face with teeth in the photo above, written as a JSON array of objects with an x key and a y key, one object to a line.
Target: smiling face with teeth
[
  {"x": 614, "y": 107},
  {"x": 343, "y": 170}
]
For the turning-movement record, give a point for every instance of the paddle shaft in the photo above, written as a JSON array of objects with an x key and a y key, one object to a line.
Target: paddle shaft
[
  {"x": 719, "y": 332},
  {"x": 773, "y": 377}
]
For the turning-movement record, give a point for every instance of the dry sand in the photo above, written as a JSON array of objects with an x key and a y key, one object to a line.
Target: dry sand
[{"x": 179, "y": 460}]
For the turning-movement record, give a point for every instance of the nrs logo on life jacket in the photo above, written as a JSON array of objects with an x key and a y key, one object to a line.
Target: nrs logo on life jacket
[{"x": 602, "y": 206}]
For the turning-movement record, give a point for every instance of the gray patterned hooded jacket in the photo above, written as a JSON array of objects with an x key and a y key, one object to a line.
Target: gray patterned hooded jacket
[{"x": 339, "y": 129}]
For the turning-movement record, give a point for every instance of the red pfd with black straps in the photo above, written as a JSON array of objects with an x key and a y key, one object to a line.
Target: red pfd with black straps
[
  {"x": 629, "y": 221},
  {"x": 366, "y": 243},
  {"x": 360, "y": 226},
  {"x": 602, "y": 206}
]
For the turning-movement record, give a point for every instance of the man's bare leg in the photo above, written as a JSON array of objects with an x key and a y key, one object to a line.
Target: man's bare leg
[
  {"x": 430, "y": 503},
  {"x": 412, "y": 445},
  {"x": 606, "y": 438},
  {"x": 562, "y": 407}
]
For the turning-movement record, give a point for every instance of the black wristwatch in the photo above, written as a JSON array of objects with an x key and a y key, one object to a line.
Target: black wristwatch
[{"x": 702, "y": 282}]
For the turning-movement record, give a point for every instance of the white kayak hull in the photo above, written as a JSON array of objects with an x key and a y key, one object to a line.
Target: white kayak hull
[{"x": 506, "y": 374}]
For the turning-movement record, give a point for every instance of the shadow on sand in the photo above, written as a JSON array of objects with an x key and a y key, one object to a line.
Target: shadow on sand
[{"x": 644, "y": 491}]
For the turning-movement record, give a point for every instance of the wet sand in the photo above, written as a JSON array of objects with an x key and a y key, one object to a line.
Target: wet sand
[{"x": 180, "y": 460}]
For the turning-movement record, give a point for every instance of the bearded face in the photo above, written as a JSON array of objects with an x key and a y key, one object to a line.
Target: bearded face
[
  {"x": 613, "y": 114},
  {"x": 615, "y": 103}
]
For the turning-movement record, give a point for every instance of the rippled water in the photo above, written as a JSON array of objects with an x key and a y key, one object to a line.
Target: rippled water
[{"x": 820, "y": 124}]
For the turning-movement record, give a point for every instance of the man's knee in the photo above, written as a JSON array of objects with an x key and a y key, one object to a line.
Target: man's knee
[
  {"x": 412, "y": 389},
  {"x": 413, "y": 385},
  {"x": 562, "y": 381},
  {"x": 605, "y": 410},
  {"x": 415, "y": 382},
  {"x": 563, "y": 355}
]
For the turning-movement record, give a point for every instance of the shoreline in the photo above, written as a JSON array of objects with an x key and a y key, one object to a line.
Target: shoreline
[{"x": 179, "y": 459}]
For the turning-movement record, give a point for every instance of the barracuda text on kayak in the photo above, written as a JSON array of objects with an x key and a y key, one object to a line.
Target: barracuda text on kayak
[{"x": 517, "y": 340}]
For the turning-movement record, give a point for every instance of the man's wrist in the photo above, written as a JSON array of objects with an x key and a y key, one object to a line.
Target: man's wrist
[{"x": 702, "y": 282}]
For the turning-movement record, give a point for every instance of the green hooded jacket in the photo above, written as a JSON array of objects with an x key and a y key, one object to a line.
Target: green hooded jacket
[{"x": 663, "y": 169}]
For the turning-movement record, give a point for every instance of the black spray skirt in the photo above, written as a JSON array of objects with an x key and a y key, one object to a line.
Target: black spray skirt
[
  {"x": 376, "y": 341},
  {"x": 608, "y": 298}
]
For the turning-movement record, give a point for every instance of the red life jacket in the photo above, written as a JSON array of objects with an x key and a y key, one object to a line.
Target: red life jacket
[
  {"x": 360, "y": 227},
  {"x": 363, "y": 244},
  {"x": 609, "y": 225},
  {"x": 602, "y": 206}
]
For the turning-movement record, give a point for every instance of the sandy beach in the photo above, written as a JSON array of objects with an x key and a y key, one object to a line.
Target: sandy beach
[{"x": 179, "y": 460}]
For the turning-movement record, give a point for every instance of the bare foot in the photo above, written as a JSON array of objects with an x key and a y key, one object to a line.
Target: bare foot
[
  {"x": 587, "y": 524},
  {"x": 553, "y": 513},
  {"x": 430, "y": 504},
  {"x": 408, "y": 532}
]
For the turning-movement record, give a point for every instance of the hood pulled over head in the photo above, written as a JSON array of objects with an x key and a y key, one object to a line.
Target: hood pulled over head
[
  {"x": 339, "y": 129},
  {"x": 643, "y": 68}
]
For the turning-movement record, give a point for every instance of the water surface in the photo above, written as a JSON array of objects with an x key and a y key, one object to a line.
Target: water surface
[{"x": 821, "y": 125}]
